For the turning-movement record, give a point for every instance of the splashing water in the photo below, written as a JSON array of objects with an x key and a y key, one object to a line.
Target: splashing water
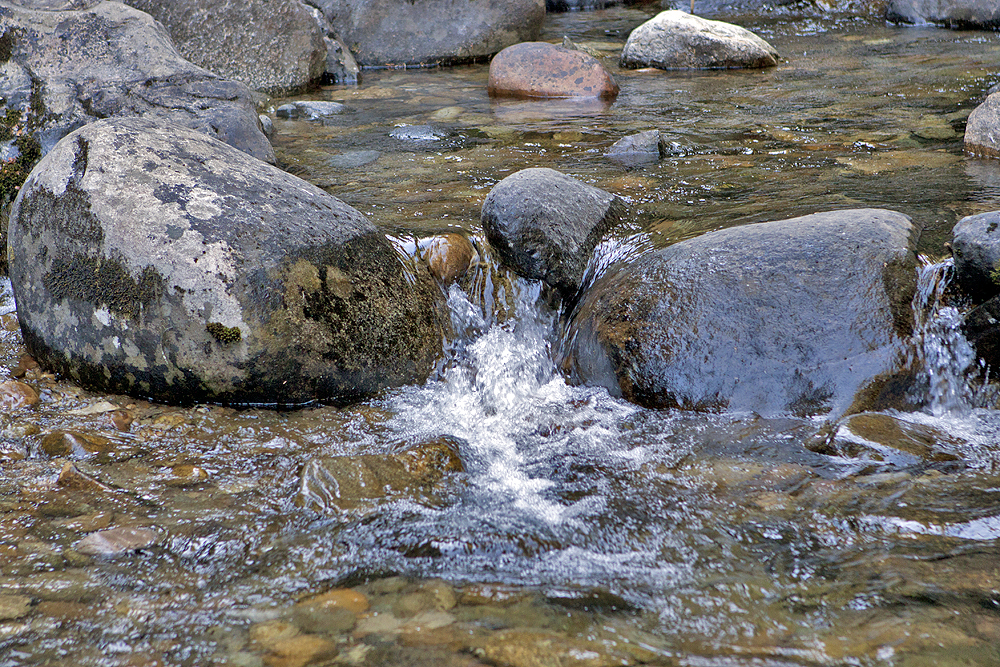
[{"x": 947, "y": 357}]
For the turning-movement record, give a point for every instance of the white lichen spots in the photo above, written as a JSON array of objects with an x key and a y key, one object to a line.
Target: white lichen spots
[
  {"x": 102, "y": 316},
  {"x": 202, "y": 204},
  {"x": 116, "y": 342}
]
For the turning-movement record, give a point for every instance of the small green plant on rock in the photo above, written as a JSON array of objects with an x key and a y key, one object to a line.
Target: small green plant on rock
[
  {"x": 995, "y": 273},
  {"x": 224, "y": 334}
]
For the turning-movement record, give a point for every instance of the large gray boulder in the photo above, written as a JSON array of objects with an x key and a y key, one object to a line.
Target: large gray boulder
[
  {"x": 544, "y": 225},
  {"x": 274, "y": 46},
  {"x": 394, "y": 32},
  {"x": 677, "y": 40},
  {"x": 65, "y": 69},
  {"x": 976, "y": 248},
  {"x": 152, "y": 260},
  {"x": 982, "y": 129},
  {"x": 803, "y": 316},
  {"x": 950, "y": 13}
]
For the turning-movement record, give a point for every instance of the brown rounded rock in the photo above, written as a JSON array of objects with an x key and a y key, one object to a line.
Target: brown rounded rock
[
  {"x": 14, "y": 394},
  {"x": 448, "y": 257},
  {"x": 539, "y": 69}
]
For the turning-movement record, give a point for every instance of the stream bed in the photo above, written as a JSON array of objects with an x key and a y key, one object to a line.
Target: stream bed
[{"x": 582, "y": 530}]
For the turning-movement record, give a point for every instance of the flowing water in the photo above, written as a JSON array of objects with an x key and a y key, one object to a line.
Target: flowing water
[{"x": 584, "y": 530}]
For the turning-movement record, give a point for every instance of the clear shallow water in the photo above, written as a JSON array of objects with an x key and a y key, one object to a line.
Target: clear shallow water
[{"x": 617, "y": 535}]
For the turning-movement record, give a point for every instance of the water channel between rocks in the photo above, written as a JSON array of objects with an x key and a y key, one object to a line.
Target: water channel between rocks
[{"x": 584, "y": 530}]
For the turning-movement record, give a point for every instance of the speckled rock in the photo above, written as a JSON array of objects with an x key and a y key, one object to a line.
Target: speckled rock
[
  {"x": 381, "y": 32},
  {"x": 976, "y": 247},
  {"x": 678, "y": 40},
  {"x": 807, "y": 316},
  {"x": 108, "y": 60},
  {"x": 982, "y": 129},
  {"x": 541, "y": 70},
  {"x": 545, "y": 224},
  {"x": 274, "y": 46},
  {"x": 951, "y": 13},
  {"x": 152, "y": 260},
  {"x": 117, "y": 541}
]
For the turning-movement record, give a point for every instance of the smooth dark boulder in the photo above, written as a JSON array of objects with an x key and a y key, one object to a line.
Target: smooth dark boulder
[
  {"x": 975, "y": 246},
  {"x": 677, "y": 40},
  {"x": 274, "y": 46},
  {"x": 545, "y": 224},
  {"x": 541, "y": 70},
  {"x": 151, "y": 260},
  {"x": 388, "y": 32},
  {"x": 69, "y": 68},
  {"x": 949, "y": 13},
  {"x": 805, "y": 316},
  {"x": 982, "y": 129}
]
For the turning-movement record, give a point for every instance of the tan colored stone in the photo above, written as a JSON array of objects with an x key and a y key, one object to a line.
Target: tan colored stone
[
  {"x": 339, "y": 598},
  {"x": 530, "y": 648},
  {"x": 542, "y": 70},
  {"x": 498, "y": 595},
  {"x": 448, "y": 257},
  {"x": 86, "y": 523},
  {"x": 271, "y": 633},
  {"x": 14, "y": 606},
  {"x": 68, "y": 443},
  {"x": 14, "y": 395},
  {"x": 72, "y": 477},
  {"x": 299, "y": 651},
  {"x": 116, "y": 541}
]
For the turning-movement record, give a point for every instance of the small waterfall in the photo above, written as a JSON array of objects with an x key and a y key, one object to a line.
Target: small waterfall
[{"x": 948, "y": 359}]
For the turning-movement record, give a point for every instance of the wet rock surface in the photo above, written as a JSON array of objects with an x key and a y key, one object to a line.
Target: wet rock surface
[
  {"x": 244, "y": 285},
  {"x": 542, "y": 70},
  {"x": 363, "y": 482},
  {"x": 69, "y": 68},
  {"x": 635, "y": 149},
  {"x": 276, "y": 47},
  {"x": 797, "y": 316},
  {"x": 545, "y": 224},
  {"x": 976, "y": 248},
  {"x": 676, "y": 40},
  {"x": 382, "y": 32},
  {"x": 981, "y": 137},
  {"x": 951, "y": 13}
]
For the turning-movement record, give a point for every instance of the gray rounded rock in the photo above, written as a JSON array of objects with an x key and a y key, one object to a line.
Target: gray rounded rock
[
  {"x": 275, "y": 46},
  {"x": 982, "y": 129},
  {"x": 803, "y": 316},
  {"x": 545, "y": 224},
  {"x": 976, "y": 248},
  {"x": 104, "y": 59},
  {"x": 384, "y": 32},
  {"x": 151, "y": 260},
  {"x": 950, "y": 13},
  {"x": 677, "y": 40}
]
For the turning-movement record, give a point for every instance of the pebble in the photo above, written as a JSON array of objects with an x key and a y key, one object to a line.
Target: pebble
[
  {"x": 299, "y": 651},
  {"x": 117, "y": 541},
  {"x": 352, "y": 159},
  {"x": 271, "y": 633},
  {"x": 86, "y": 523},
  {"x": 530, "y": 648},
  {"x": 339, "y": 598},
  {"x": 14, "y": 606},
  {"x": 541, "y": 70},
  {"x": 15, "y": 395},
  {"x": 311, "y": 110},
  {"x": 499, "y": 595},
  {"x": 417, "y": 133},
  {"x": 71, "y": 477},
  {"x": 448, "y": 257},
  {"x": 74, "y": 443}
]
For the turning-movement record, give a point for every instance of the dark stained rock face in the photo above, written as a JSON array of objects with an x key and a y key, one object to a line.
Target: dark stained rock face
[
  {"x": 545, "y": 224},
  {"x": 383, "y": 32},
  {"x": 677, "y": 40},
  {"x": 950, "y": 13},
  {"x": 151, "y": 260},
  {"x": 539, "y": 69},
  {"x": 976, "y": 248},
  {"x": 103, "y": 59},
  {"x": 275, "y": 46},
  {"x": 803, "y": 316}
]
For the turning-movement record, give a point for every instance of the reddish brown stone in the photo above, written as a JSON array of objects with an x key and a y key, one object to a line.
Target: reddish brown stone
[{"x": 539, "y": 69}]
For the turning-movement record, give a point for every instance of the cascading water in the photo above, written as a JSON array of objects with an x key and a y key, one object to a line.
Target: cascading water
[{"x": 947, "y": 358}]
